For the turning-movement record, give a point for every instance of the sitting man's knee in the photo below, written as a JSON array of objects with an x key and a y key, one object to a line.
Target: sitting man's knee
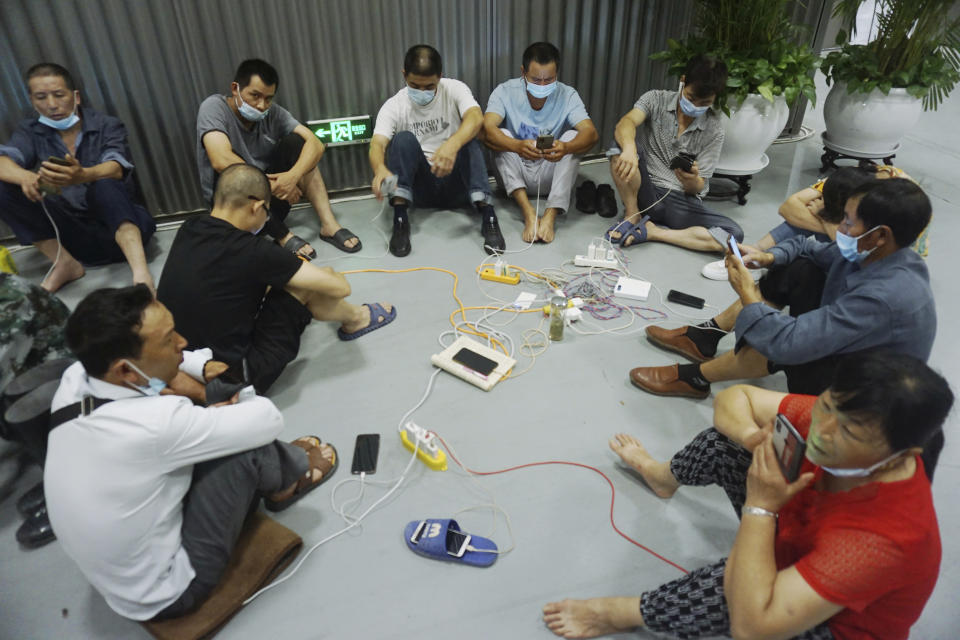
[{"x": 405, "y": 140}]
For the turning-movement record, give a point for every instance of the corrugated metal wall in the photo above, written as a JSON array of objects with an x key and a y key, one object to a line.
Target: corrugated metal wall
[{"x": 151, "y": 62}]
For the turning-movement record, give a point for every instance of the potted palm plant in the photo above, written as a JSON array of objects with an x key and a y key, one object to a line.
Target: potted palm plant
[
  {"x": 767, "y": 67},
  {"x": 880, "y": 88}
]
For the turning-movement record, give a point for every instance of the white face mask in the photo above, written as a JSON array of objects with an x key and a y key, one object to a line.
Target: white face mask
[
  {"x": 154, "y": 385},
  {"x": 861, "y": 472}
]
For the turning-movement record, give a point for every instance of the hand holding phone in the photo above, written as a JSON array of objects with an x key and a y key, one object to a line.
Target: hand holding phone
[
  {"x": 733, "y": 247},
  {"x": 790, "y": 447},
  {"x": 544, "y": 141}
]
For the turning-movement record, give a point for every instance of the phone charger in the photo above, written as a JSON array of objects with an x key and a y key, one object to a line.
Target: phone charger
[{"x": 632, "y": 288}]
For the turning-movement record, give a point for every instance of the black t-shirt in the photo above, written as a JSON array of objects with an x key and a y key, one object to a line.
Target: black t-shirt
[{"x": 214, "y": 280}]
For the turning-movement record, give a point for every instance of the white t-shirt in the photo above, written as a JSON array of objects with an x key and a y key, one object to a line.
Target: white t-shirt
[
  {"x": 115, "y": 481},
  {"x": 431, "y": 124}
]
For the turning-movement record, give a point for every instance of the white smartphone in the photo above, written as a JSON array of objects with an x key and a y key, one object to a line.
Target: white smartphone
[{"x": 733, "y": 247}]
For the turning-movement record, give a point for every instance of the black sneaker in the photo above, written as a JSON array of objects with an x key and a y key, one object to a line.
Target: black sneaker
[
  {"x": 587, "y": 197},
  {"x": 400, "y": 240},
  {"x": 492, "y": 238},
  {"x": 606, "y": 201}
]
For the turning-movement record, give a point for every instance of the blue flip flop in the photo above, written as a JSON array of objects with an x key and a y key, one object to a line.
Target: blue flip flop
[
  {"x": 376, "y": 313},
  {"x": 638, "y": 233},
  {"x": 432, "y": 537},
  {"x": 624, "y": 227}
]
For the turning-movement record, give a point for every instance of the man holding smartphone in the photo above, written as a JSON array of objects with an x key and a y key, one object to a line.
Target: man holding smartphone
[
  {"x": 538, "y": 128},
  {"x": 66, "y": 184}
]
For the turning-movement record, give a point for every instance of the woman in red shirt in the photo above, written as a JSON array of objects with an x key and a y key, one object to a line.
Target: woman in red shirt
[{"x": 850, "y": 550}]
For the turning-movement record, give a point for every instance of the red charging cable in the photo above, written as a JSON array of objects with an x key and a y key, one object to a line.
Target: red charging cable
[{"x": 613, "y": 493}]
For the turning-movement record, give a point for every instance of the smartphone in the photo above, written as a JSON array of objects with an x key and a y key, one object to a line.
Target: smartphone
[
  {"x": 63, "y": 162},
  {"x": 733, "y": 247},
  {"x": 544, "y": 141},
  {"x": 686, "y": 299},
  {"x": 475, "y": 361},
  {"x": 365, "y": 453},
  {"x": 790, "y": 447},
  {"x": 457, "y": 542}
]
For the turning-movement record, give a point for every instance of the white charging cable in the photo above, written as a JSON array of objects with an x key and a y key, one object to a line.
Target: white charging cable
[{"x": 56, "y": 232}]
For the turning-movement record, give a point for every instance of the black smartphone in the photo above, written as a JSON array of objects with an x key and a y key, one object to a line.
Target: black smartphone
[
  {"x": 684, "y": 161},
  {"x": 790, "y": 447},
  {"x": 457, "y": 542},
  {"x": 365, "y": 453},
  {"x": 680, "y": 297},
  {"x": 63, "y": 162},
  {"x": 544, "y": 141},
  {"x": 473, "y": 360}
]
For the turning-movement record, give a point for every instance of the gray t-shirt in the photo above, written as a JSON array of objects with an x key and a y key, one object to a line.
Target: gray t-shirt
[{"x": 254, "y": 146}]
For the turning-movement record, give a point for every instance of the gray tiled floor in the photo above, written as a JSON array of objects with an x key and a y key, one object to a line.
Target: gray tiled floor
[{"x": 366, "y": 584}]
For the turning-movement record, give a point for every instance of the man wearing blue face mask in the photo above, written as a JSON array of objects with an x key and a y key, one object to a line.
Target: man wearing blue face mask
[
  {"x": 247, "y": 127},
  {"x": 876, "y": 295},
  {"x": 425, "y": 139},
  {"x": 662, "y": 195},
  {"x": 518, "y": 112},
  {"x": 66, "y": 184}
]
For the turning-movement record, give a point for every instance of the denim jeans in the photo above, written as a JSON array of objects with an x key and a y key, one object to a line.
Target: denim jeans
[{"x": 468, "y": 182}]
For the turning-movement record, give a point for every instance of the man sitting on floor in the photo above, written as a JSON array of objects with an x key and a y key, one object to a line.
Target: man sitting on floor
[
  {"x": 521, "y": 109},
  {"x": 146, "y": 491},
  {"x": 247, "y": 127},
  {"x": 73, "y": 165},
  {"x": 877, "y": 294},
  {"x": 667, "y": 198},
  {"x": 245, "y": 297},
  {"x": 431, "y": 127}
]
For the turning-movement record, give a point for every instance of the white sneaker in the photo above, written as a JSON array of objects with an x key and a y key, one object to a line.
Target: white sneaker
[{"x": 714, "y": 270}]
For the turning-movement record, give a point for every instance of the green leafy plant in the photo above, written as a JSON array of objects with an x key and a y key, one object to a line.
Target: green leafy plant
[
  {"x": 917, "y": 48},
  {"x": 759, "y": 45}
]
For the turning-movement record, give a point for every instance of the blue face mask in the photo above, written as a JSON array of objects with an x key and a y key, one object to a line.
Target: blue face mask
[
  {"x": 422, "y": 97},
  {"x": 250, "y": 113},
  {"x": 540, "y": 90},
  {"x": 154, "y": 385},
  {"x": 688, "y": 107},
  {"x": 848, "y": 246},
  {"x": 61, "y": 125}
]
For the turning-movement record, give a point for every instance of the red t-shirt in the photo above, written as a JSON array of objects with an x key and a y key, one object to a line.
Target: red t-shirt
[{"x": 875, "y": 549}]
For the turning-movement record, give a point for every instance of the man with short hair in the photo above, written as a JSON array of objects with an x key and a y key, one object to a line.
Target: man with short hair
[
  {"x": 876, "y": 295},
  {"x": 246, "y": 298},
  {"x": 520, "y": 110},
  {"x": 66, "y": 184},
  {"x": 148, "y": 492},
  {"x": 663, "y": 198},
  {"x": 425, "y": 135},
  {"x": 246, "y": 127}
]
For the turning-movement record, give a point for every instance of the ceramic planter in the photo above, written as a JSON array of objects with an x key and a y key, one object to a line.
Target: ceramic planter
[
  {"x": 868, "y": 125},
  {"x": 752, "y": 126}
]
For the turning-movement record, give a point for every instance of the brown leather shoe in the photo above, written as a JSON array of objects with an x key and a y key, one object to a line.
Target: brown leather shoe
[
  {"x": 675, "y": 340},
  {"x": 664, "y": 381}
]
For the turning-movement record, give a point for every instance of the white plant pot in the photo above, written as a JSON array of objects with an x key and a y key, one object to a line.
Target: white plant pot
[
  {"x": 868, "y": 125},
  {"x": 750, "y": 129}
]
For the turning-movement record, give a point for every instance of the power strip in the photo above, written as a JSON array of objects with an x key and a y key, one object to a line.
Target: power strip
[
  {"x": 505, "y": 278},
  {"x": 597, "y": 256},
  {"x": 428, "y": 452}
]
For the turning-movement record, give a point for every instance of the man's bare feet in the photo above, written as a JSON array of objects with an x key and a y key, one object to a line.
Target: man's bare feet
[
  {"x": 329, "y": 231},
  {"x": 305, "y": 251},
  {"x": 65, "y": 271},
  {"x": 362, "y": 319},
  {"x": 593, "y": 617},
  {"x": 530, "y": 224},
  {"x": 657, "y": 475},
  {"x": 545, "y": 230}
]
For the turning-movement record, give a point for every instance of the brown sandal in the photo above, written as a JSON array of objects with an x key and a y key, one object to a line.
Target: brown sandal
[{"x": 306, "y": 483}]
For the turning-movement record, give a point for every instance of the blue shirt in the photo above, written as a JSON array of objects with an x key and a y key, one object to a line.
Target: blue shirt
[
  {"x": 562, "y": 110},
  {"x": 887, "y": 303},
  {"x": 102, "y": 138}
]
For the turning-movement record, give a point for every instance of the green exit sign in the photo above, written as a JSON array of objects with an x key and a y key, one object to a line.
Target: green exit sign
[{"x": 341, "y": 131}]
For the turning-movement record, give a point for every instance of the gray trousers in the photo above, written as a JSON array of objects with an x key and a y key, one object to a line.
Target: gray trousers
[
  {"x": 222, "y": 494},
  {"x": 555, "y": 178}
]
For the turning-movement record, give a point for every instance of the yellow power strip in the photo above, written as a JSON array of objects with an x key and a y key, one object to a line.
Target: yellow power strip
[{"x": 506, "y": 278}]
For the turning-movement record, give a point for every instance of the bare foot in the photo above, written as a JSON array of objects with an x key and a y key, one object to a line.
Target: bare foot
[
  {"x": 545, "y": 231},
  {"x": 65, "y": 271},
  {"x": 629, "y": 242},
  {"x": 657, "y": 475},
  {"x": 362, "y": 318},
  {"x": 593, "y": 617},
  {"x": 305, "y": 251},
  {"x": 332, "y": 229},
  {"x": 530, "y": 224},
  {"x": 307, "y": 443}
]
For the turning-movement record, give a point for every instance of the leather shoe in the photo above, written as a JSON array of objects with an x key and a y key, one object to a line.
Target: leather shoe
[
  {"x": 32, "y": 500},
  {"x": 587, "y": 197},
  {"x": 492, "y": 238},
  {"x": 606, "y": 201},
  {"x": 676, "y": 340},
  {"x": 665, "y": 381},
  {"x": 400, "y": 240},
  {"x": 36, "y": 530}
]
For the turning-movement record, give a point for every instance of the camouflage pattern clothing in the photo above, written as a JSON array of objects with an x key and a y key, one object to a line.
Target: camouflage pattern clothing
[{"x": 32, "y": 321}]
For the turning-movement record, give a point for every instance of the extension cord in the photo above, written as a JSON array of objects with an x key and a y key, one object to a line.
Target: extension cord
[
  {"x": 428, "y": 452},
  {"x": 505, "y": 278},
  {"x": 603, "y": 263}
]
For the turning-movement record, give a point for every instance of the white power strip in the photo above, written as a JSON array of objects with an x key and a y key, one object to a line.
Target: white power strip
[{"x": 597, "y": 256}]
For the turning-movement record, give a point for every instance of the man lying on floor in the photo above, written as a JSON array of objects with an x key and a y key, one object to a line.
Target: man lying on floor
[
  {"x": 146, "y": 491},
  {"x": 247, "y": 298},
  {"x": 851, "y": 549}
]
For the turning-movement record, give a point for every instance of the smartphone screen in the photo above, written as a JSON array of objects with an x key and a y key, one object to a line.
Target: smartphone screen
[
  {"x": 457, "y": 542},
  {"x": 733, "y": 247},
  {"x": 475, "y": 361},
  {"x": 544, "y": 141},
  {"x": 365, "y": 453},
  {"x": 790, "y": 447}
]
